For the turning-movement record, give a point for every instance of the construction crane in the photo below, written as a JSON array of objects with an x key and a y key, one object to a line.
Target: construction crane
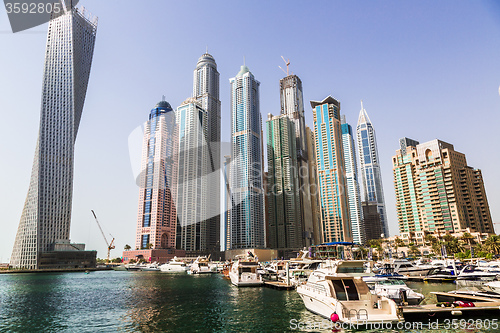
[
  {"x": 287, "y": 63},
  {"x": 111, "y": 245}
]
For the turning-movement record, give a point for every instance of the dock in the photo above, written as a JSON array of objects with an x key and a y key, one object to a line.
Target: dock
[
  {"x": 466, "y": 297},
  {"x": 278, "y": 285},
  {"x": 419, "y": 312}
]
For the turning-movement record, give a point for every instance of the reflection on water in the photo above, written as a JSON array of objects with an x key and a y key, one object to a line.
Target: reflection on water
[{"x": 154, "y": 302}]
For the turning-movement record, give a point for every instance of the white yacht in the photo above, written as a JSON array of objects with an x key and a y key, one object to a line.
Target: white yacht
[
  {"x": 404, "y": 267},
  {"x": 398, "y": 291},
  {"x": 243, "y": 273},
  {"x": 151, "y": 267},
  {"x": 201, "y": 266},
  {"x": 327, "y": 293},
  {"x": 471, "y": 272},
  {"x": 174, "y": 265}
]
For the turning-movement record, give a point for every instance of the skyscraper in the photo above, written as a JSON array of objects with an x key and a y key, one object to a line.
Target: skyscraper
[
  {"x": 370, "y": 167},
  {"x": 157, "y": 215},
  {"x": 46, "y": 214},
  {"x": 193, "y": 160},
  {"x": 406, "y": 185},
  {"x": 292, "y": 105},
  {"x": 313, "y": 181},
  {"x": 334, "y": 208},
  {"x": 437, "y": 191},
  {"x": 206, "y": 92},
  {"x": 284, "y": 217},
  {"x": 247, "y": 193},
  {"x": 353, "y": 195}
]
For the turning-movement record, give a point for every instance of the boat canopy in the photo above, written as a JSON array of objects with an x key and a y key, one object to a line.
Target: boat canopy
[{"x": 339, "y": 243}]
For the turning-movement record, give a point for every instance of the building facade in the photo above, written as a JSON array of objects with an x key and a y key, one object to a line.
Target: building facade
[
  {"x": 193, "y": 160},
  {"x": 46, "y": 215},
  {"x": 334, "y": 209},
  {"x": 313, "y": 182},
  {"x": 283, "y": 195},
  {"x": 292, "y": 105},
  {"x": 206, "y": 92},
  {"x": 246, "y": 171},
  {"x": 437, "y": 191},
  {"x": 351, "y": 173},
  {"x": 370, "y": 166},
  {"x": 156, "y": 213}
]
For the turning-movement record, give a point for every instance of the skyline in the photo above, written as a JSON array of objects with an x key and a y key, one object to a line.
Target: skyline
[{"x": 408, "y": 88}]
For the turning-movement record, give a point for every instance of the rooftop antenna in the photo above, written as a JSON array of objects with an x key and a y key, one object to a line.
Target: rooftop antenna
[
  {"x": 287, "y": 63},
  {"x": 244, "y": 61},
  {"x": 163, "y": 98},
  {"x": 362, "y": 105},
  {"x": 207, "y": 50}
]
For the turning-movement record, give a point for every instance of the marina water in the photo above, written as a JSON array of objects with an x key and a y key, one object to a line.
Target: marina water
[{"x": 110, "y": 301}]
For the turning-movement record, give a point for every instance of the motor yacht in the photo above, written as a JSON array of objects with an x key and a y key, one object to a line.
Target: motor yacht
[
  {"x": 201, "y": 266},
  {"x": 404, "y": 267},
  {"x": 154, "y": 267},
  {"x": 471, "y": 272},
  {"x": 398, "y": 291},
  {"x": 243, "y": 272},
  {"x": 174, "y": 265},
  {"x": 327, "y": 293}
]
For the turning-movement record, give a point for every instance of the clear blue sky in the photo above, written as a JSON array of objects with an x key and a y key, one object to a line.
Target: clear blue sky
[{"x": 424, "y": 69}]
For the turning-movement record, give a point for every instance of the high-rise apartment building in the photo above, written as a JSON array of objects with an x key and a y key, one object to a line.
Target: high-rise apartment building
[
  {"x": 247, "y": 193},
  {"x": 226, "y": 243},
  {"x": 351, "y": 173},
  {"x": 46, "y": 215},
  {"x": 314, "y": 189},
  {"x": 370, "y": 166},
  {"x": 283, "y": 195},
  {"x": 437, "y": 191},
  {"x": 292, "y": 105},
  {"x": 156, "y": 214},
  {"x": 334, "y": 208},
  {"x": 193, "y": 162},
  {"x": 206, "y": 92}
]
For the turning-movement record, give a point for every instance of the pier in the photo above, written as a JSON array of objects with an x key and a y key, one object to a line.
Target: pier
[
  {"x": 278, "y": 285},
  {"x": 418, "y": 312}
]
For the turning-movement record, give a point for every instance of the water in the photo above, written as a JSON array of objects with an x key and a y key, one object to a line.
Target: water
[{"x": 110, "y": 301}]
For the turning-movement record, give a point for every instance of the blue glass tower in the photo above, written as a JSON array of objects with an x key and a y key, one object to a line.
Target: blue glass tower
[
  {"x": 246, "y": 183},
  {"x": 334, "y": 209},
  {"x": 370, "y": 167}
]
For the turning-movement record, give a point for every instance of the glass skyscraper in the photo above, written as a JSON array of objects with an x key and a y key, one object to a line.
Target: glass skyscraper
[
  {"x": 292, "y": 105},
  {"x": 353, "y": 195},
  {"x": 157, "y": 216},
  {"x": 284, "y": 218},
  {"x": 206, "y": 92},
  {"x": 334, "y": 210},
  {"x": 192, "y": 181},
  {"x": 370, "y": 167},
  {"x": 46, "y": 215},
  {"x": 246, "y": 172}
]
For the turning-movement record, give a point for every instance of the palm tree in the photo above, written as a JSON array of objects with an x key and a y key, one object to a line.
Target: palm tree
[
  {"x": 149, "y": 246},
  {"x": 467, "y": 238},
  {"x": 430, "y": 239},
  {"x": 492, "y": 244},
  {"x": 414, "y": 250},
  {"x": 126, "y": 247}
]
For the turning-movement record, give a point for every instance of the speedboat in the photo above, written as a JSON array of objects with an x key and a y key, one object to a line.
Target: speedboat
[
  {"x": 471, "y": 272},
  {"x": 243, "y": 273},
  {"x": 398, "y": 291},
  {"x": 174, "y": 265},
  {"x": 404, "y": 267},
  {"x": 346, "y": 298},
  {"x": 201, "y": 266},
  {"x": 151, "y": 267}
]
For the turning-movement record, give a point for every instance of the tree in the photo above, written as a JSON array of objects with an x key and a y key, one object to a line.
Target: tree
[
  {"x": 116, "y": 260},
  {"x": 467, "y": 238},
  {"x": 132, "y": 261},
  {"x": 149, "y": 246},
  {"x": 127, "y": 247},
  {"x": 430, "y": 239},
  {"x": 414, "y": 250},
  {"x": 492, "y": 244}
]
